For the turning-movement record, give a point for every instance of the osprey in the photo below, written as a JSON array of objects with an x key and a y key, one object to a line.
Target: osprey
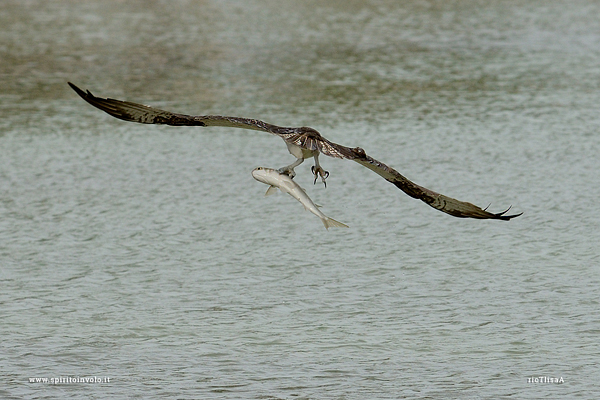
[{"x": 302, "y": 143}]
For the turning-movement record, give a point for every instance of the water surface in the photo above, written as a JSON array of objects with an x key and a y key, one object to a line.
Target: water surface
[{"x": 149, "y": 255}]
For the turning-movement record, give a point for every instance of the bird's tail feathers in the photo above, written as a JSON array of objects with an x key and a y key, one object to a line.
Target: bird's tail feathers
[{"x": 330, "y": 222}]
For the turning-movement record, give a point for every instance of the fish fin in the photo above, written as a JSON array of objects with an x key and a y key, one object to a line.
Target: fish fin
[
  {"x": 330, "y": 222},
  {"x": 271, "y": 190}
]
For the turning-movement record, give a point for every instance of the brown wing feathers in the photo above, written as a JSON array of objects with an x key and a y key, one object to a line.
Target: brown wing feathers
[
  {"x": 438, "y": 201},
  {"x": 140, "y": 113}
]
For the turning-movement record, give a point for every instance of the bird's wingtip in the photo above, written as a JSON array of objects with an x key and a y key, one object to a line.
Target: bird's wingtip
[
  {"x": 77, "y": 90},
  {"x": 502, "y": 215}
]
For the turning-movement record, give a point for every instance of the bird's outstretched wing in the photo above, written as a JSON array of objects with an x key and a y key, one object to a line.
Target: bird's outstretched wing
[
  {"x": 304, "y": 137},
  {"x": 438, "y": 201},
  {"x": 135, "y": 112}
]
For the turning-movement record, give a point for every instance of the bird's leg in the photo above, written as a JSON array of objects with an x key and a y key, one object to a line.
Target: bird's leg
[
  {"x": 318, "y": 171},
  {"x": 289, "y": 170}
]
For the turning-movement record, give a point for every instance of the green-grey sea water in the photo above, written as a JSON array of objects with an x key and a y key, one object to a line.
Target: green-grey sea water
[{"x": 148, "y": 255}]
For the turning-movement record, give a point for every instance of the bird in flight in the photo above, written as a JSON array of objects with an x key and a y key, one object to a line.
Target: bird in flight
[{"x": 302, "y": 143}]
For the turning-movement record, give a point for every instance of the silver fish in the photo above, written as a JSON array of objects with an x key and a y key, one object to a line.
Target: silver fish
[{"x": 276, "y": 180}]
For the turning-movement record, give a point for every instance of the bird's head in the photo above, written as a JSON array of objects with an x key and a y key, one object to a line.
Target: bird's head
[{"x": 359, "y": 152}]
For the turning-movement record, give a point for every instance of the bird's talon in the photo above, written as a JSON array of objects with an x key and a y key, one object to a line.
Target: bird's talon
[
  {"x": 287, "y": 171},
  {"x": 319, "y": 172}
]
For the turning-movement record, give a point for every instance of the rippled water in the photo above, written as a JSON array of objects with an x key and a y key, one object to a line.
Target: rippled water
[{"x": 147, "y": 256}]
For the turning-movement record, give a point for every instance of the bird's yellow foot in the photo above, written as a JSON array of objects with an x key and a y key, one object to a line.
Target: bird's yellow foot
[{"x": 319, "y": 172}]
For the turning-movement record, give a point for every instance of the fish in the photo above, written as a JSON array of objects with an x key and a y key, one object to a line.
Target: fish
[{"x": 284, "y": 182}]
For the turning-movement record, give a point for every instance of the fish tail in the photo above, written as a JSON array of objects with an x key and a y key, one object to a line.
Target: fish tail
[{"x": 330, "y": 222}]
